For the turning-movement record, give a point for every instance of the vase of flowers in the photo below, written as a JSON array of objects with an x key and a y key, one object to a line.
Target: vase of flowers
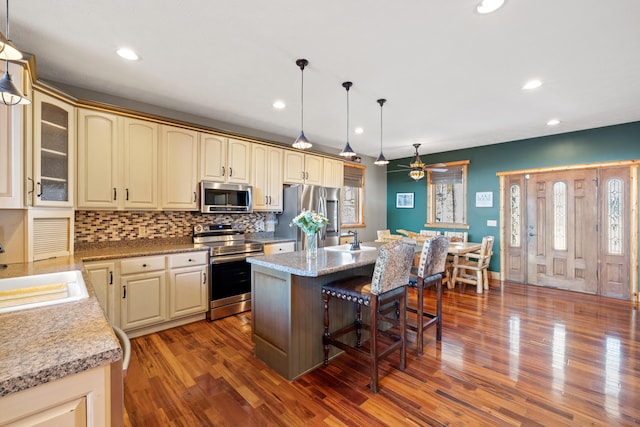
[{"x": 310, "y": 223}]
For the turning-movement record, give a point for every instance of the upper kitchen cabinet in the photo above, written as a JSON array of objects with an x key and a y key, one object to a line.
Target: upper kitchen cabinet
[
  {"x": 300, "y": 168},
  {"x": 224, "y": 159},
  {"x": 117, "y": 162},
  {"x": 11, "y": 119},
  {"x": 179, "y": 168},
  {"x": 97, "y": 160},
  {"x": 53, "y": 151},
  {"x": 267, "y": 177},
  {"x": 333, "y": 173}
]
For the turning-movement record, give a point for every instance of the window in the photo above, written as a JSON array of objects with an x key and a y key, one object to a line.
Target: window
[
  {"x": 447, "y": 196},
  {"x": 353, "y": 196}
]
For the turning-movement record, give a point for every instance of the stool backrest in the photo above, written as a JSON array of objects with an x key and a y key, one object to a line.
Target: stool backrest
[
  {"x": 434, "y": 256},
  {"x": 393, "y": 266}
]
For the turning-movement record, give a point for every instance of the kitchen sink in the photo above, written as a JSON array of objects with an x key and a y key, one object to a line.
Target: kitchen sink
[
  {"x": 40, "y": 290},
  {"x": 347, "y": 248}
]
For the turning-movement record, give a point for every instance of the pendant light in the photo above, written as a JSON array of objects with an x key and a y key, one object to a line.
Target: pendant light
[
  {"x": 9, "y": 93},
  {"x": 381, "y": 160},
  {"x": 301, "y": 141},
  {"x": 348, "y": 151}
]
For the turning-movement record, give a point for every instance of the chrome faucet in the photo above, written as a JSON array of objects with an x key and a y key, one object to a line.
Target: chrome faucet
[{"x": 355, "y": 246}]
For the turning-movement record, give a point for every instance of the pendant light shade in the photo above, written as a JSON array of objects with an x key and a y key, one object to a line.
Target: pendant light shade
[
  {"x": 348, "y": 151},
  {"x": 301, "y": 141},
  {"x": 9, "y": 93},
  {"x": 381, "y": 160},
  {"x": 8, "y": 51}
]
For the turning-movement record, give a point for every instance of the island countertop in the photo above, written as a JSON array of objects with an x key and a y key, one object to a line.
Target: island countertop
[{"x": 327, "y": 261}]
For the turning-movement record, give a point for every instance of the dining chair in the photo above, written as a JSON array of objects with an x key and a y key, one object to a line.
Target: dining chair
[
  {"x": 383, "y": 293},
  {"x": 457, "y": 236},
  {"x": 476, "y": 262},
  {"x": 429, "y": 272}
]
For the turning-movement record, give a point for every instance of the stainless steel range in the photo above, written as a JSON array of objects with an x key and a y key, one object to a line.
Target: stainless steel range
[{"x": 229, "y": 273}]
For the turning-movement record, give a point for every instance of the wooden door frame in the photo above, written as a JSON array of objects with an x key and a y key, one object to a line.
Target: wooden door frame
[{"x": 633, "y": 243}]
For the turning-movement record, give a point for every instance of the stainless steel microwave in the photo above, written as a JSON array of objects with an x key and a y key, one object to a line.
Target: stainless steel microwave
[{"x": 216, "y": 197}]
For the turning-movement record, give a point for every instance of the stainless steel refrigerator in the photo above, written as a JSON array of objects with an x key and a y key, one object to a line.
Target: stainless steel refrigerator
[{"x": 325, "y": 200}]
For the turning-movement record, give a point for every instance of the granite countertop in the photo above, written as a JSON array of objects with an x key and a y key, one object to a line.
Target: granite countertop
[
  {"x": 327, "y": 262},
  {"x": 44, "y": 344}
]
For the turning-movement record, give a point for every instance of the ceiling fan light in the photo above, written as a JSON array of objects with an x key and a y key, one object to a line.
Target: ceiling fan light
[
  {"x": 416, "y": 174},
  {"x": 347, "y": 151},
  {"x": 9, "y": 93},
  {"x": 302, "y": 142},
  {"x": 381, "y": 160},
  {"x": 8, "y": 51}
]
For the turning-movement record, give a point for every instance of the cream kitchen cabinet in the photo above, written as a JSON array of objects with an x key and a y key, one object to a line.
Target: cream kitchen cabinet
[
  {"x": 97, "y": 159},
  {"x": 11, "y": 119},
  {"x": 143, "y": 292},
  {"x": 117, "y": 162},
  {"x": 300, "y": 168},
  {"x": 188, "y": 293},
  {"x": 267, "y": 177},
  {"x": 81, "y": 399},
  {"x": 224, "y": 159},
  {"x": 279, "y": 248},
  {"x": 103, "y": 279},
  {"x": 53, "y": 151},
  {"x": 333, "y": 173},
  {"x": 179, "y": 168}
]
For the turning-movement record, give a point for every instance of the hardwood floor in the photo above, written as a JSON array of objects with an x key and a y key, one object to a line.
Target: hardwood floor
[{"x": 517, "y": 355}]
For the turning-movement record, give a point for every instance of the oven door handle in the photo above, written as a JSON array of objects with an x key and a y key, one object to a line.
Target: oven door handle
[{"x": 232, "y": 258}]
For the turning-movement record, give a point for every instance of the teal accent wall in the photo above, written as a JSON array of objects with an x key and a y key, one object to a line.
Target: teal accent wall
[{"x": 611, "y": 143}]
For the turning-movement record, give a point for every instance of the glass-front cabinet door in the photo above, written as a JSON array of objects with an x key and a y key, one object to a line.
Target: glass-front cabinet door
[{"x": 54, "y": 125}]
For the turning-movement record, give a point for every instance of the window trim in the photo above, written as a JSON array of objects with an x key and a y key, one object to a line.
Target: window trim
[{"x": 431, "y": 197}]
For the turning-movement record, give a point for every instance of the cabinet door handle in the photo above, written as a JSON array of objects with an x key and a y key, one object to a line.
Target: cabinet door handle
[
  {"x": 189, "y": 260},
  {"x": 302, "y": 173},
  {"x": 39, "y": 192},
  {"x": 144, "y": 265},
  {"x": 124, "y": 292},
  {"x": 114, "y": 193},
  {"x": 230, "y": 171},
  {"x": 204, "y": 278},
  {"x": 127, "y": 195},
  {"x": 194, "y": 196},
  {"x": 33, "y": 185},
  {"x": 223, "y": 171},
  {"x": 269, "y": 200},
  {"x": 111, "y": 277}
]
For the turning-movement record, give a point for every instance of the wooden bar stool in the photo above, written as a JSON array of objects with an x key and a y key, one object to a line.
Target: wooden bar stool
[
  {"x": 428, "y": 273},
  {"x": 387, "y": 285}
]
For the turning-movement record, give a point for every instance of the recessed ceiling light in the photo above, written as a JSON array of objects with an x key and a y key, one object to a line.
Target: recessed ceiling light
[
  {"x": 279, "y": 105},
  {"x": 553, "y": 122},
  {"x": 358, "y": 130},
  {"x": 127, "y": 53},
  {"x": 532, "y": 84},
  {"x": 488, "y": 6}
]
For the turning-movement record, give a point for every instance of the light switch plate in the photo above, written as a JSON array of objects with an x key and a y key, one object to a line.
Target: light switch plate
[{"x": 492, "y": 223}]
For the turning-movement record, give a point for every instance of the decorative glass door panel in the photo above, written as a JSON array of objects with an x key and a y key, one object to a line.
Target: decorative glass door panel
[{"x": 53, "y": 152}]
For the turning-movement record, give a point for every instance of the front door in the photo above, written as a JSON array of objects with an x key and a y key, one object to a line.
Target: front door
[
  {"x": 562, "y": 244},
  {"x": 569, "y": 229}
]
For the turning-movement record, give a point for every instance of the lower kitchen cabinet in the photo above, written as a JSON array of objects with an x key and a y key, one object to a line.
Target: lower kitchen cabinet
[
  {"x": 102, "y": 276},
  {"x": 81, "y": 399},
  {"x": 279, "y": 248},
  {"x": 187, "y": 284},
  {"x": 150, "y": 293}
]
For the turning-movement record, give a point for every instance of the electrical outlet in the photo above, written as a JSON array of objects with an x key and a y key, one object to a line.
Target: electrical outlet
[{"x": 492, "y": 223}]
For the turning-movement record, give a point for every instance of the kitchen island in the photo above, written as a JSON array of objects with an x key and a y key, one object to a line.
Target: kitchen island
[{"x": 287, "y": 309}]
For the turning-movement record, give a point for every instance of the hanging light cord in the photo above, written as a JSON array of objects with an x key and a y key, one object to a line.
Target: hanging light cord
[
  {"x": 347, "y": 87},
  {"x": 302, "y": 98},
  {"x": 381, "y": 104}
]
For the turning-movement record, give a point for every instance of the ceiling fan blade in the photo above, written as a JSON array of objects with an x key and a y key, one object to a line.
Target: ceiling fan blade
[
  {"x": 435, "y": 169},
  {"x": 404, "y": 166},
  {"x": 436, "y": 165}
]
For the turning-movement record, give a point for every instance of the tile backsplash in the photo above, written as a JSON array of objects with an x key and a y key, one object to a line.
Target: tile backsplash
[{"x": 118, "y": 226}]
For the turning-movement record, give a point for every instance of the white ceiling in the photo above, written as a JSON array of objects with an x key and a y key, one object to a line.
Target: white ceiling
[{"x": 452, "y": 77}]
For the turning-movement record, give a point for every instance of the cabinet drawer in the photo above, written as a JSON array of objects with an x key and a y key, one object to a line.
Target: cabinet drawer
[
  {"x": 187, "y": 259},
  {"x": 142, "y": 264},
  {"x": 279, "y": 248}
]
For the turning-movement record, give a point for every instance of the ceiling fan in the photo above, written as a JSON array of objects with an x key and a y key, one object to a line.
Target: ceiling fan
[{"x": 417, "y": 168}]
